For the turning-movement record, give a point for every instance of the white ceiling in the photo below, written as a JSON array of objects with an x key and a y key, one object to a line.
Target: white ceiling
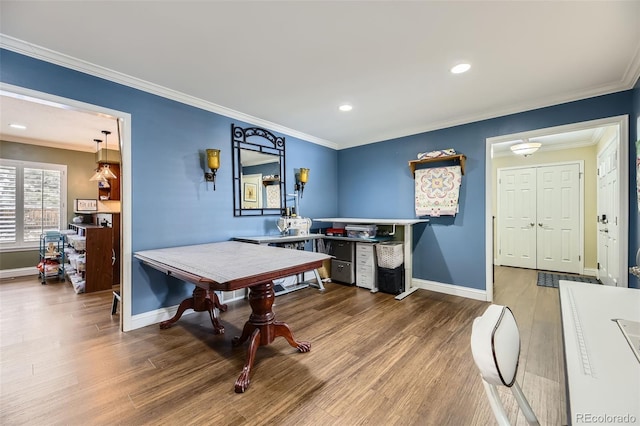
[{"x": 291, "y": 64}]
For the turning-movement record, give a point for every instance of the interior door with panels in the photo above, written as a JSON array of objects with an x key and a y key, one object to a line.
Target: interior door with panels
[
  {"x": 608, "y": 193},
  {"x": 539, "y": 217},
  {"x": 516, "y": 217},
  {"x": 558, "y": 218}
]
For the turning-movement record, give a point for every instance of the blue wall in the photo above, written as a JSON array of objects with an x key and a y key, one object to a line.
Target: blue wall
[
  {"x": 375, "y": 182},
  {"x": 172, "y": 205}
]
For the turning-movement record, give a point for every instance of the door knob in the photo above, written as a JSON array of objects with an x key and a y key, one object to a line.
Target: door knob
[
  {"x": 540, "y": 224},
  {"x": 532, "y": 224}
]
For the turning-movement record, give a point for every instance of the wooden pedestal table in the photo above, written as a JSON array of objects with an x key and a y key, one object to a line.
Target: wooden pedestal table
[
  {"x": 229, "y": 266},
  {"x": 202, "y": 300}
]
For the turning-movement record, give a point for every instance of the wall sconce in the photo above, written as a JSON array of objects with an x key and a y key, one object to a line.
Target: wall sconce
[
  {"x": 301, "y": 180},
  {"x": 213, "y": 162}
]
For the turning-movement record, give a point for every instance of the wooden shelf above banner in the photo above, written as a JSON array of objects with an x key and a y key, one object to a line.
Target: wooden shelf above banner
[{"x": 458, "y": 157}]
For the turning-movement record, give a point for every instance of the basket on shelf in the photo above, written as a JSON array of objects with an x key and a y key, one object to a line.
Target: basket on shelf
[{"x": 390, "y": 254}]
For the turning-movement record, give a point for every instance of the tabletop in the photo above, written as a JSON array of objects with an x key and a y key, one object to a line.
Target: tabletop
[{"x": 231, "y": 265}]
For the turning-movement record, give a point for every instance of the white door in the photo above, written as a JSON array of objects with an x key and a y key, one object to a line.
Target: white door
[
  {"x": 558, "y": 218},
  {"x": 608, "y": 194},
  {"x": 539, "y": 218},
  {"x": 517, "y": 217}
]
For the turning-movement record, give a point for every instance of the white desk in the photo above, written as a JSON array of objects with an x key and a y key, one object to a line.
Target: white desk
[
  {"x": 406, "y": 238},
  {"x": 602, "y": 372},
  {"x": 287, "y": 239}
]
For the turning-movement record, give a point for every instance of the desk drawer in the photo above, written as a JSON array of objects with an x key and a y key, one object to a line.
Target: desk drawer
[{"x": 342, "y": 250}]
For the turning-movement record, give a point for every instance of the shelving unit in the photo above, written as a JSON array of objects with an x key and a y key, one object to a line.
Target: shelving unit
[
  {"x": 270, "y": 181},
  {"x": 98, "y": 249},
  {"x": 51, "y": 256},
  {"x": 460, "y": 158},
  {"x": 404, "y": 234}
]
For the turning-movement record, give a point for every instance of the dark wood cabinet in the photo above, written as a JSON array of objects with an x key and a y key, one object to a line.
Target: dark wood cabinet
[
  {"x": 98, "y": 273},
  {"x": 113, "y": 191}
]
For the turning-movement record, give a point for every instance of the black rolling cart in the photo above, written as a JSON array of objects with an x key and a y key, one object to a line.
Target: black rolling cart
[{"x": 51, "y": 251}]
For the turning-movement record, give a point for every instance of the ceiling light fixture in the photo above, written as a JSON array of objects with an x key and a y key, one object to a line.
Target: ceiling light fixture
[
  {"x": 525, "y": 148},
  {"x": 18, "y": 126},
  {"x": 345, "y": 107},
  {"x": 106, "y": 171},
  {"x": 103, "y": 173},
  {"x": 460, "y": 68},
  {"x": 97, "y": 176}
]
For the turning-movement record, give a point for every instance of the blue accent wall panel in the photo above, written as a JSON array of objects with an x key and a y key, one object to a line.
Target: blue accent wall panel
[
  {"x": 172, "y": 205},
  {"x": 375, "y": 182}
]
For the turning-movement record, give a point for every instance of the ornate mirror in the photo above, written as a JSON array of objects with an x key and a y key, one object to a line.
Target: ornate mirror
[{"x": 258, "y": 172}]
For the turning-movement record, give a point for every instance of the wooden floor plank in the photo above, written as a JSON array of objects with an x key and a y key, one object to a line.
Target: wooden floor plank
[{"x": 374, "y": 360}]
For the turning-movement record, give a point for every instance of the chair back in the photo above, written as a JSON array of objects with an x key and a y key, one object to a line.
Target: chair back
[{"x": 495, "y": 345}]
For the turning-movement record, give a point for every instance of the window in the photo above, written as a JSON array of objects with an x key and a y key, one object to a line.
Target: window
[{"x": 32, "y": 201}]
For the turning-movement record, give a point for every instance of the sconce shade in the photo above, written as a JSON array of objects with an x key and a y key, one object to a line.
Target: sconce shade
[
  {"x": 213, "y": 159},
  {"x": 213, "y": 162},
  {"x": 304, "y": 175},
  {"x": 525, "y": 148}
]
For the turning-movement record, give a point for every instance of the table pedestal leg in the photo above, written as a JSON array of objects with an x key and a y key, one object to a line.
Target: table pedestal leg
[
  {"x": 262, "y": 329},
  {"x": 201, "y": 300}
]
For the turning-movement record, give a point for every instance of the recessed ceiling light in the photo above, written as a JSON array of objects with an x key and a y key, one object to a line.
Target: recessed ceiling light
[
  {"x": 345, "y": 107},
  {"x": 18, "y": 126},
  {"x": 460, "y": 68}
]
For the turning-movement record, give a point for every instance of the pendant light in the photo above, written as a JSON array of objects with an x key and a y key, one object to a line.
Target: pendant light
[
  {"x": 106, "y": 171},
  {"x": 97, "y": 176}
]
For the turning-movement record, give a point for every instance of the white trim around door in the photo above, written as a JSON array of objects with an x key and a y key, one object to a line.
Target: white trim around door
[
  {"x": 622, "y": 122},
  {"x": 125, "y": 184}
]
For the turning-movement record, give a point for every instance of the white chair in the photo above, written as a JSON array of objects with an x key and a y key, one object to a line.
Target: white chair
[{"x": 495, "y": 344}]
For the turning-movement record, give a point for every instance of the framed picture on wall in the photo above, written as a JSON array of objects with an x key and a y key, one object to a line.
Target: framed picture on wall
[
  {"x": 250, "y": 192},
  {"x": 86, "y": 205}
]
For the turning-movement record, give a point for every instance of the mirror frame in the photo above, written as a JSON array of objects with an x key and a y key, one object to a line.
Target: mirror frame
[{"x": 262, "y": 141}]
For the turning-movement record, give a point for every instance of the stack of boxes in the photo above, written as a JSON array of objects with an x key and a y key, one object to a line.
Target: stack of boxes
[{"x": 390, "y": 267}]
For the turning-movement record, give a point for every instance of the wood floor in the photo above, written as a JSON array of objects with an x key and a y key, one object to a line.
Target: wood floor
[{"x": 373, "y": 361}]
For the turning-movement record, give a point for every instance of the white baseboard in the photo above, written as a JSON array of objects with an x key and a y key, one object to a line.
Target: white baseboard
[
  {"x": 18, "y": 272},
  {"x": 455, "y": 290},
  {"x": 590, "y": 272},
  {"x": 155, "y": 317},
  {"x": 163, "y": 314}
]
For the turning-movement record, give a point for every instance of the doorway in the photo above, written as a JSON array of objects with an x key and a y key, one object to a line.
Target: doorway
[
  {"x": 495, "y": 145},
  {"x": 540, "y": 211},
  {"x": 124, "y": 120}
]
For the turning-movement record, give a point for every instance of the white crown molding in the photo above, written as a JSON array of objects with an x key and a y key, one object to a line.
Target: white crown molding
[
  {"x": 631, "y": 76},
  {"x": 42, "y": 53},
  {"x": 49, "y": 144},
  {"x": 632, "y": 73}
]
